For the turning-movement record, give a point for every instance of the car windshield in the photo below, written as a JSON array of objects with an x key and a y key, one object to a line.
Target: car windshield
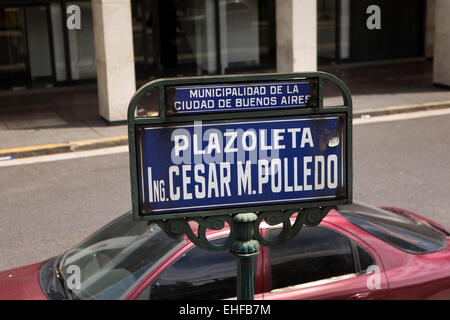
[
  {"x": 395, "y": 228},
  {"x": 114, "y": 259}
]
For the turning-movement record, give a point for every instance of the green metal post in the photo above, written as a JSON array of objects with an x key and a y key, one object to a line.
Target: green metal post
[
  {"x": 245, "y": 248},
  {"x": 245, "y": 277}
]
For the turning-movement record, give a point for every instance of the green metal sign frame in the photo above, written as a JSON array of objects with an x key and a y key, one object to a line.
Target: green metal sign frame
[
  {"x": 244, "y": 223},
  {"x": 134, "y": 123}
]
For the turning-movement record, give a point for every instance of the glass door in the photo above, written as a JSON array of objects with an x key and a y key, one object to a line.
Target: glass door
[
  {"x": 14, "y": 71},
  {"x": 326, "y": 31},
  {"x": 25, "y": 54},
  {"x": 39, "y": 51},
  {"x": 239, "y": 35}
]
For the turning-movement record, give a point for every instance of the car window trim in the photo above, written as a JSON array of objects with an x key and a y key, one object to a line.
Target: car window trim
[
  {"x": 374, "y": 261},
  {"x": 314, "y": 283},
  {"x": 356, "y": 260}
]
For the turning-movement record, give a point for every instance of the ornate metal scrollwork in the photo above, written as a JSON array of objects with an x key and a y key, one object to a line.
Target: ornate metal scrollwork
[
  {"x": 177, "y": 227},
  {"x": 309, "y": 216}
]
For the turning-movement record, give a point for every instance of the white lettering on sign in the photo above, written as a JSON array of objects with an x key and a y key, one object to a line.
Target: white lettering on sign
[
  {"x": 248, "y": 140},
  {"x": 214, "y": 180},
  {"x": 243, "y": 97},
  {"x": 204, "y": 167}
]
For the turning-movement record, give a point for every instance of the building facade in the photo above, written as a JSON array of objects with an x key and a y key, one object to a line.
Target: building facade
[{"x": 46, "y": 43}]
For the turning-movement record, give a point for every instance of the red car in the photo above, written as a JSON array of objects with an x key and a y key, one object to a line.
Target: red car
[{"x": 357, "y": 252}]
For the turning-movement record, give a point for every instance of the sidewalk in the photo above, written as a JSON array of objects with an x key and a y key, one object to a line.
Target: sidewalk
[
  {"x": 36, "y": 122},
  {"x": 375, "y": 87}
]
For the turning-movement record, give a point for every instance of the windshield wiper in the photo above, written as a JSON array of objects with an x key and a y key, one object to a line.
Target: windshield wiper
[{"x": 58, "y": 282}]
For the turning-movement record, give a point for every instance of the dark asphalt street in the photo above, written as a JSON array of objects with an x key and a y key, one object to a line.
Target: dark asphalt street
[{"x": 47, "y": 208}]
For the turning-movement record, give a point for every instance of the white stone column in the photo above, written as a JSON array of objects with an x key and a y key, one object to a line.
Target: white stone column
[
  {"x": 296, "y": 23},
  {"x": 441, "y": 64},
  {"x": 113, "y": 36}
]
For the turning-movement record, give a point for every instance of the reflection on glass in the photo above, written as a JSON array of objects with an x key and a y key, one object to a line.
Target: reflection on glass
[
  {"x": 81, "y": 45},
  {"x": 38, "y": 44},
  {"x": 239, "y": 34},
  {"x": 344, "y": 30},
  {"x": 148, "y": 105},
  {"x": 58, "y": 42},
  {"x": 197, "y": 36},
  {"x": 326, "y": 31},
  {"x": 203, "y": 37},
  {"x": 267, "y": 49},
  {"x": 142, "y": 37},
  {"x": 191, "y": 42},
  {"x": 116, "y": 258}
]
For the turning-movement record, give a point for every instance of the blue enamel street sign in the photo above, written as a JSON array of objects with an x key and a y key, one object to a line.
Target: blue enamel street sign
[
  {"x": 243, "y": 96},
  {"x": 219, "y": 164},
  {"x": 225, "y": 145}
]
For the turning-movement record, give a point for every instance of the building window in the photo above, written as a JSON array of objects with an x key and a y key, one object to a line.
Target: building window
[
  {"x": 13, "y": 54},
  {"x": 203, "y": 37}
]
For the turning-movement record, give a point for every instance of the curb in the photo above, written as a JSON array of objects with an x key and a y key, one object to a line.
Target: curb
[
  {"x": 401, "y": 109},
  {"x": 81, "y": 145},
  {"x": 71, "y": 146}
]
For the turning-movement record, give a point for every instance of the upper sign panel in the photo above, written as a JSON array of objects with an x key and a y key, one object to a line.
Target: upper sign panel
[{"x": 241, "y": 97}]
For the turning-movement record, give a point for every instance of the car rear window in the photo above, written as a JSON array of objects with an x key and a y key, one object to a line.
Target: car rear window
[{"x": 395, "y": 228}]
